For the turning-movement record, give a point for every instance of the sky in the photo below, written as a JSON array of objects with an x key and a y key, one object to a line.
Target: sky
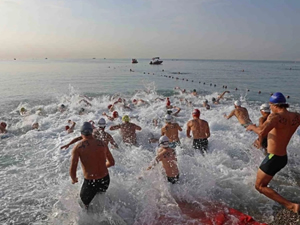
[{"x": 171, "y": 29}]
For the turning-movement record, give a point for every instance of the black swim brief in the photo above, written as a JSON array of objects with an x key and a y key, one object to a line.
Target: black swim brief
[
  {"x": 272, "y": 164},
  {"x": 173, "y": 180},
  {"x": 201, "y": 144},
  {"x": 91, "y": 187}
]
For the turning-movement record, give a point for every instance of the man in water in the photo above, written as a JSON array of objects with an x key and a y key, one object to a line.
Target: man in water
[
  {"x": 3, "y": 127},
  {"x": 280, "y": 127},
  {"x": 70, "y": 129},
  {"x": 99, "y": 134},
  {"x": 205, "y": 104},
  {"x": 171, "y": 131},
  {"x": 217, "y": 101},
  {"x": 115, "y": 116},
  {"x": 241, "y": 113},
  {"x": 95, "y": 158},
  {"x": 167, "y": 156},
  {"x": 265, "y": 112},
  {"x": 170, "y": 107},
  {"x": 200, "y": 131},
  {"x": 128, "y": 130}
]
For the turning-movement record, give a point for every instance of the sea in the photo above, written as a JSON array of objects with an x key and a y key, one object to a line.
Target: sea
[{"x": 35, "y": 184}]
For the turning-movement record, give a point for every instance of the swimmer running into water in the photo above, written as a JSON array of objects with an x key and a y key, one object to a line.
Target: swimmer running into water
[
  {"x": 241, "y": 113},
  {"x": 167, "y": 156},
  {"x": 171, "y": 131},
  {"x": 279, "y": 127}
]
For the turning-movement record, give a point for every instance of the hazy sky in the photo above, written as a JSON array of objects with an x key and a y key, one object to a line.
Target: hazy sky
[{"x": 191, "y": 29}]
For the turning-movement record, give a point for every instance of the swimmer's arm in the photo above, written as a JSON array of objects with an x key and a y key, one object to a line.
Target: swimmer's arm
[
  {"x": 74, "y": 163},
  {"x": 254, "y": 128},
  {"x": 162, "y": 131},
  {"x": 73, "y": 125},
  {"x": 112, "y": 142},
  {"x": 110, "y": 161},
  {"x": 207, "y": 132},
  {"x": 115, "y": 127},
  {"x": 178, "y": 110},
  {"x": 156, "y": 160},
  {"x": 71, "y": 142},
  {"x": 179, "y": 128},
  {"x": 230, "y": 115},
  {"x": 270, "y": 123},
  {"x": 137, "y": 127},
  {"x": 188, "y": 130},
  {"x": 222, "y": 95}
]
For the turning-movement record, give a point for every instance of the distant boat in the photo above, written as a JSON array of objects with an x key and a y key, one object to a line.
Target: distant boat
[
  {"x": 15, "y": 59},
  {"x": 46, "y": 58},
  {"x": 94, "y": 58},
  {"x": 134, "y": 61},
  {"x": 155, "y": 61}
]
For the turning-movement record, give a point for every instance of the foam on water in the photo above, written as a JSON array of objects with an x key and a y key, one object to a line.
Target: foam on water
[{"x": 36, "y": 187}]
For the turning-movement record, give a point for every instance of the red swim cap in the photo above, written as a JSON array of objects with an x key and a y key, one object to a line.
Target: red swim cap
[
  {"x": 134, "y": 100},
  {"x": 115, "y": 114},
  {"x": 109, "y": 106},
  {"x": 67, "y": 127},
  {"x": 3, "y": 124},
  {"x": 196, "y": 112}
]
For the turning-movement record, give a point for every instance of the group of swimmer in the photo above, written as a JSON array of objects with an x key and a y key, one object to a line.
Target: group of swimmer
[{"x": 275, "y": 129}]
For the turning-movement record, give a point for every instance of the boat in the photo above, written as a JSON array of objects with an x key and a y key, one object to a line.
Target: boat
[
  {"x": 134, "y": 61},
  {"x": 155, "y": 61}
]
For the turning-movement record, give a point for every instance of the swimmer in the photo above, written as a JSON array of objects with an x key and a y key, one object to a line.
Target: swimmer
[
  {"x": 110, "y": 107},
  {"x": 167, "y": 156},
  {"x": 205, "y": 104},
  {"x": 171, "y": 131},
  {"x": 95, "y": 158},
  {"x": 200, "y": 131},
  {"x": 265, "y": 112},
  {"x": 115, "y": 116},
  {"x": 128, "y": 130},
  {"x": 3, "y": 126},
  {"x": 241, "y": 113},
  {"x": 279, "y": 127},
  {"x": 23, "y": 111},
  {"x": 62, "y": 108},
  {"x": 217, "y": 100},
  {"x": 70, "y": 129},
  {"x": 194, "y": 92},
  {"x": 169, "y": 107},
  {"x": 35, "y": 126},
  {"x": 81, "y": 111},
  {"x": 86, "y": 102},
  {"x": 98, "y": 133}
]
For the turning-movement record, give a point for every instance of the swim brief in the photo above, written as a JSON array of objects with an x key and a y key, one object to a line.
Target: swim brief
[
  {"x": 201, "y": 144},
  {"x": 91, "y": 187},
  {"x": 173, "y": 180},
  {"x": 174, "y": 144},
  {"x": 246, "y": 125},
  {"x": 272, "y": 164}
]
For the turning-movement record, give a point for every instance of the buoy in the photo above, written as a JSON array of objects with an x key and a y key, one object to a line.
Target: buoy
[
  {"x": 204, "y": 83},
  {"x": 163, "y": 70},
  {"x": 199, "y": 82},
  {"x": 192, "y": 81},
  {"x": 248, "y": 90},
  {"x": 271, "y": 94},
  {"x": 236, "y": 89},
  {"x": 215, "y": 85},
  {"x": 259, "y": 92},
  {"x": 288, "y": 96}
]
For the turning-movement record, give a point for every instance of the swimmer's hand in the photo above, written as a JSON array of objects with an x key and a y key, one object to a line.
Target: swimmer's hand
[
  {"x": 189, "y": 136},
  {"x": 257, "y": 144},
  {"x": 64, "y": 147},
  {"x": 74, "y": 180},
  {"x": 149, "y": 168},
  {"x": 104, "y": 113}
]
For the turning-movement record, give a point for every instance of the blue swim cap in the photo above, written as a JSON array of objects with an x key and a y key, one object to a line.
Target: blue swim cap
[{"x": 277, "y": 98}]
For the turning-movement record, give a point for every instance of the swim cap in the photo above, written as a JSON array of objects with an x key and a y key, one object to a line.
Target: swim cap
[
  {"x": 109, "y": 106},
  {"x": 3, "y": 124},
  {"x": 237, "y": 103},
  {"x": 86, "y": 129},
  {"x": 168, "y": 118},
  {"x": 125, "y": 118},
  {"x": 163, "y": 141},
  {"x": 265, "y": 107},
  {"x": 67, "y": 127},
  {"x": 22, "y": 109},
  {"x": 115, "y": 114},
  {"x": 277, "y": 98},
  {"x": 168, "y": 102},
  {"x": 134, "y": 100},
  {"x": 194, "y": 90},
  {"x": 205, "y": 101},
  {"x": 213, "y": 99},
  {"x": 81, "y": 110},
  {"x": 196, "y": 112},
  {"x": 102, "y": 122},
  {"x": 62, "y": 106}
]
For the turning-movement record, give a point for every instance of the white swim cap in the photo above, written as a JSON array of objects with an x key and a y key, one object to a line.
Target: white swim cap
[
  {"x": 237, "y": 103},
  {"x": 168, "y": 118},
  {"x": 163, "y": 141},
  {"x": 265, "y": 107},
  {"x": 102, "y": 122}
]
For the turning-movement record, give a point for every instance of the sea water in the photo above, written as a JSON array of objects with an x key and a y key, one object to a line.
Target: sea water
[{"x": 35, "y": 184}]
